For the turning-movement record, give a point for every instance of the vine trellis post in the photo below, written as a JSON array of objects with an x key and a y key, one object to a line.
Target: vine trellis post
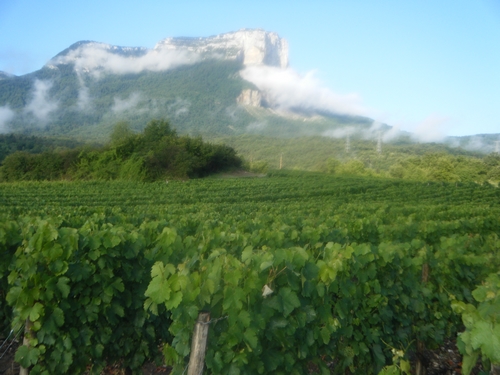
[
  {"x": 199, "y": 344},
  {"x": 26, "y": 341}
]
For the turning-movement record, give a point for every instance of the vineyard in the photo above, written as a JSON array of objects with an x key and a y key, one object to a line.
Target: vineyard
[{"x": 300, "y": 272}]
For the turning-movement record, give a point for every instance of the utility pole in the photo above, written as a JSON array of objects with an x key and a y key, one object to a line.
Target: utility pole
[{"x": 281, "y": 160}]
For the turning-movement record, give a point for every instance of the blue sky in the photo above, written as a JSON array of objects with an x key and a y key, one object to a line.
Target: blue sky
[{"x": 418, "y": 65}]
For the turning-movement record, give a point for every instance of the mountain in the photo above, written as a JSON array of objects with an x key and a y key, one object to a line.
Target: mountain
[
  {"x": 197, "y": 83},
  {"x": 224, "y": 85}
]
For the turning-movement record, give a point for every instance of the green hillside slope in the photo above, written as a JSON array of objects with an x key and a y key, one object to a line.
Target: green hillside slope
[{"x": 198, "y": 99}]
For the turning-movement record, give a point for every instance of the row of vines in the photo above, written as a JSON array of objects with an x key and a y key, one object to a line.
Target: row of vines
[{"x": 299, "y": 272}]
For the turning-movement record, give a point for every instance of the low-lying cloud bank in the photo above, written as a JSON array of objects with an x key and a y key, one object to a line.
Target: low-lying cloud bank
[
  {"x": 41, "y": 105},
  {"x": 121, "y": 105},
  {"x": 6, "y": 115},
  {"x": 286, "y": 89},
  {"x": 431, "y": 129},
  {"x": 97, "y": 58},
  {"x": 376, "y": 130}
]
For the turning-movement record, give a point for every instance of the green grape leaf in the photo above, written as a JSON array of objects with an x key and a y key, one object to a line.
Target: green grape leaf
[
  {"x": 244, "y": 318},
  {"x": 36, "y": 311},
  {"x": 325, "y": 335},
  {"x": 63, "y": 287},
  {"x": 55, "y": 251},
  {"x": 27, "y": 357},
  {"x": 405, "y": 366},
  {"x": 289, "y": 300},
  {"x": 266, "y": 264},
  {"x": 118, "y": 285},
  {"x": 310, "y": 271},
  {"x": 233, "y": 297},
  {"x": 480, "y": 293},
  {"x": 159, "y": 289},
  {"x": 491, "y": 348},
  {"x": 250, "y": 338},
  {"x": 390, "y": 370},
  {"x": 110, "y": 240},
  {"x": 469, "y": 361},
  {"x": 174, "y": 300},
  {"x": 481, "y": 334},
  {"x": 246, "y": 254},
  {"x": 58, "y": 316},
  {"x": 170, "y": 355}
]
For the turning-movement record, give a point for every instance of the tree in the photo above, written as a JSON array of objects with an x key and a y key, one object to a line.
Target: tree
[
  {"x": 353, "y": 167},
  {"x": 155, "y": 130},
  {"x": 121, "y": 132},
  {"x": 332, "y": 165}
]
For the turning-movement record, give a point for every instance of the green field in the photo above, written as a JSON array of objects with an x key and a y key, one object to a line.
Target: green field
[{"x": 352, "y": 268}]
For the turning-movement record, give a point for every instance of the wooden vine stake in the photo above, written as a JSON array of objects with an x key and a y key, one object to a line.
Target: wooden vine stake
[
  {"x": 199, "y": 344},
  {"x": 26, "y": 342}
]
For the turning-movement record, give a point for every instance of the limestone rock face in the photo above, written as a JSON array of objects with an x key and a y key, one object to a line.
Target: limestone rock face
[
  {"x": 250, "y": 97},
  {"x": 247, "y": 45}
]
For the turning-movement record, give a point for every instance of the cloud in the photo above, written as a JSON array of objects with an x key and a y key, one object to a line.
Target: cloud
[
  {"x": 387, "y": 135},
  {"x": 84, "y": 101},
  {"x": 431, "y": 129},
  {"x": 392, "y": 133},
  {"x": 97, "y": 58},
  {"x": 286, "y": 89},
  {"x": 475, "y": 144},
  {"x": 179, "y": 107},
  {"x": 40, "y": 105},
  {"x": 372, "y": 133},
  {"x": 122, "y": 105},
  {"x": 340, "y": 132},
  {"x": 478, "y": 143},
  {"x": 256, "y": 126},
  {"x": 6, "y": 114}
]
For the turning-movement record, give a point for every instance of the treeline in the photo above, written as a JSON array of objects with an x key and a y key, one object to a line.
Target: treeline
[
  {"x": 402, "y": 159},
  {"x": 429, "y": 167},
  {"x": 156, "y": 153},
  {"x": 10, "y": 143}
]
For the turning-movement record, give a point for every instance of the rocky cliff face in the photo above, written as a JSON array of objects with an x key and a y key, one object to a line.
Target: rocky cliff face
[
  {"x": 249, "y": 46},
  {"x": 250, "y": 97}
]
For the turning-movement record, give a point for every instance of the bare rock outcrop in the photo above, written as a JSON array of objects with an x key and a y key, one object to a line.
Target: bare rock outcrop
[
  {"x": 250, "y": 97},
  {"x": 251, "y": 46}
]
